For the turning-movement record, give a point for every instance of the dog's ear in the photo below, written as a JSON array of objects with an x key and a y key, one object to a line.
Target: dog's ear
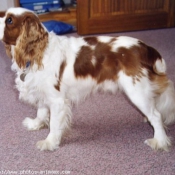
[
  {"x": 31, "y": 42},
  {"x": 8, "y": 50}
]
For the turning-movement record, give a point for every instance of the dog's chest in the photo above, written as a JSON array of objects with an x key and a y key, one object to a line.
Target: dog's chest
[{"x": 31, "y": 87}]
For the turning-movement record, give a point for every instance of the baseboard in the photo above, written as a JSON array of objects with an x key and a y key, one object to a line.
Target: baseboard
[{"x": 2, "y": 14}]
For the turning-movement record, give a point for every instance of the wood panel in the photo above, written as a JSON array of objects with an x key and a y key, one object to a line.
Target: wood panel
[
  {"x": 115, "y": 7},
  {"x": 101, "y": 16}
]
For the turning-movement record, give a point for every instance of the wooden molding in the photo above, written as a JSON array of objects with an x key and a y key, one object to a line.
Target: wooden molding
[
  {"x": 2, "y": 14},
  {"x": 16, "y": 2}
]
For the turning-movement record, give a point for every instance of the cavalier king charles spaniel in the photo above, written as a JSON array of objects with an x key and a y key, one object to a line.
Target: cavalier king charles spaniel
[{"x": 54, "y": 71}]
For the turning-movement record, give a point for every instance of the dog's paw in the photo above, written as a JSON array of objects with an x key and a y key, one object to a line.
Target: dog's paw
[
  {"x": 48, "y": 144},
  {"x": 159, "y": 145},
  {"x": 32, "y": 124}
]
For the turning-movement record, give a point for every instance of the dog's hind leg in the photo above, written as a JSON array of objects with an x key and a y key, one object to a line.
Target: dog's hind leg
[
  {"x": 147, "y": 106},
  {"x": 165, "y": 103},
  {"x": 142, "y": 97}
]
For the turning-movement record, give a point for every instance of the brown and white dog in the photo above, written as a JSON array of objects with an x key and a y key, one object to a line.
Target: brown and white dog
[{"x": 53, "y": 71}]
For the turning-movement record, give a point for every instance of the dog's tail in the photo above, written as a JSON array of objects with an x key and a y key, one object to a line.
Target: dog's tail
[{"x": 159, "y": 67}]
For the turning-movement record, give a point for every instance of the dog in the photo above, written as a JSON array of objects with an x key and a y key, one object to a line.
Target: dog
[{"x": 52, "y": 72}]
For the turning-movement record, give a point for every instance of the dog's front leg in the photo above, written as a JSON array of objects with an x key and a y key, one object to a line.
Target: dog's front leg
[
  {"x": 40, "y": 121},
  {"x": 59, "y": 122}
]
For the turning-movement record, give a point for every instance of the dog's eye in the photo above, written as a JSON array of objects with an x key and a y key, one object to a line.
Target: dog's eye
[{"x": 9, "y": 20}]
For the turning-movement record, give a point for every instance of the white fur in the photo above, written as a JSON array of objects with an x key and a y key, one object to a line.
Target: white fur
[
  {"x": 104, "y": 39},
  {"x": 160, "y": 66},
  {"x": 17, "y": 11},
  {"x": 165, "y": 104},
  {"x": 124, "y": 41},
  {"x": 38, "y": 89},
  {"x": 141, "y": 96}
]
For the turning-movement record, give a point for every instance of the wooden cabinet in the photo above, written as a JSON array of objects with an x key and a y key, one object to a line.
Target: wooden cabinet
[
  {"x": 68, "y": 16},
  {"x": 102, "y": 16}
]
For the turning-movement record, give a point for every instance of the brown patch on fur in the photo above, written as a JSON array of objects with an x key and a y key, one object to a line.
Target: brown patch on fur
[
  {"x": 129, "y": 60},
  {"x": 91, "y": 40},
  {"x": 62, "y": 67},
  {"x": 106, "y": 66},
  {"x": 161, "y": 81},
  {"x": 137, "y": 57},
  {"x": 8, "y": 50},
  {"x": 102, "y": 63},
  {"x": 134, "y": 59},
  {"x": 28, "y": 36},
  {"x": 83, "y": 65},
  {"x": 12, "y": 30},
  {"x": 150, "y": 55}
]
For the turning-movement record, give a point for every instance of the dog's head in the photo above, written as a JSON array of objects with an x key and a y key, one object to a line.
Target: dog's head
[{"x": 22, "y": 29}]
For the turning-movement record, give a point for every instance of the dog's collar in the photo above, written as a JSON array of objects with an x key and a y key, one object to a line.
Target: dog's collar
[
  {"x": 23, "y": 75},
  {"x": 28, "y": 64}
]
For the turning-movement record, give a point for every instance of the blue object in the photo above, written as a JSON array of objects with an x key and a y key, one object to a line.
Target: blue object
[
  {"x": 41, "y": 1},
  {"x": 28, "y": 64},
  {"x": 58, "y": 27},
  {"x": 42, "y": 6}
]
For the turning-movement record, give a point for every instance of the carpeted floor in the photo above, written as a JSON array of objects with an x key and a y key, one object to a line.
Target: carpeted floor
[{"x": 107, "y": 134}]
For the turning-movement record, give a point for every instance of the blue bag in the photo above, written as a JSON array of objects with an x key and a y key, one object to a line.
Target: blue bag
[{"x": 58, "y": 27}]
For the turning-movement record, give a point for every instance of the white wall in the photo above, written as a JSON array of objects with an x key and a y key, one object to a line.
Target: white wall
[{"x": 5, "y": 4}]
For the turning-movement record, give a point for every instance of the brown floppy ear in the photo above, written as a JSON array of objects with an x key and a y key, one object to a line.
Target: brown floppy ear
[
  {"x": 31, "y": 42},
  {"x": 8, "y": 50}
]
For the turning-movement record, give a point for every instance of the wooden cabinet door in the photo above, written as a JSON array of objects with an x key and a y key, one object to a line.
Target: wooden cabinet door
[{"x": 103, "y": 16}]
